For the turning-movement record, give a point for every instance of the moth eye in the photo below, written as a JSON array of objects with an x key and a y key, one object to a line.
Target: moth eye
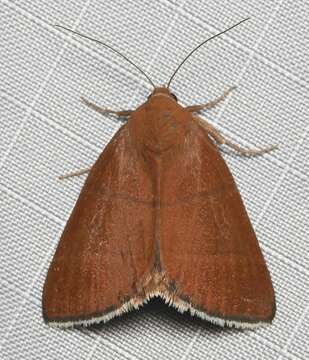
[{"x": 174, "y": 96}]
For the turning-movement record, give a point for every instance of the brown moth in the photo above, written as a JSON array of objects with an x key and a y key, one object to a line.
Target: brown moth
[{"x": 160, "y": 215}]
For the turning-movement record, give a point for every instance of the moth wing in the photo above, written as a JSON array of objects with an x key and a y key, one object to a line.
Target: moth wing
[
  {"x": 209, "y": 250},
  {"x": 106, "y": 250}
]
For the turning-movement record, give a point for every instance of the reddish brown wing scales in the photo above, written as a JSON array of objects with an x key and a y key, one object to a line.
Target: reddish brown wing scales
[
  {"x": 208, "y": 247},
  {"x": 107, "y": 247},
  {"x": 159, "y": 214}
]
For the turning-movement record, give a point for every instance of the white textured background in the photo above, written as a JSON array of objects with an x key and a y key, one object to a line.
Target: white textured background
[{"x": 45, "y": 131}]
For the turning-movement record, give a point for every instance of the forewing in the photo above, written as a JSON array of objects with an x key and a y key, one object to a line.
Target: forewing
[
  {"x": 208, "y": 246},
  {"x": 106, "y": 250}
]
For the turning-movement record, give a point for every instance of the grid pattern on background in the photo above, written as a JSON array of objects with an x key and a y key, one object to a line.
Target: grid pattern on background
[{"x": 45, "y": 131}]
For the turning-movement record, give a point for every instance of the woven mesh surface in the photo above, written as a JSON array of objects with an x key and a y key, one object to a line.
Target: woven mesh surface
[{"x": 45, "y": 131}]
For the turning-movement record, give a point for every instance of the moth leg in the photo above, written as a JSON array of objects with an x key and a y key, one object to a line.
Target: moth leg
[
  {"x": 210, "y": 104},
  {"x": 75, "y": 173},
  {"x": 223, "y": 141},
  {"x": 106, "y": 111}
]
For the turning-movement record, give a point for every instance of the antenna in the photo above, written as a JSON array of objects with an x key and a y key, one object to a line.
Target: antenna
[
  {"x": 204, "y": 42},
  {"x": 108, "y": 46}
]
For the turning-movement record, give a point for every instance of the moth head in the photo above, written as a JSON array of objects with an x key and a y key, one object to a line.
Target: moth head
[{"x": 159, "y": 91}]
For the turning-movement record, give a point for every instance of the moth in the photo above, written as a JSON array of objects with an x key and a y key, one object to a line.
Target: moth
[{"x": 160, "y": 215}]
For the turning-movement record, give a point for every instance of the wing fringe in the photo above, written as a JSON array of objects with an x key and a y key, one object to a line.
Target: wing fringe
[{"x": 170, "y": 299}]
